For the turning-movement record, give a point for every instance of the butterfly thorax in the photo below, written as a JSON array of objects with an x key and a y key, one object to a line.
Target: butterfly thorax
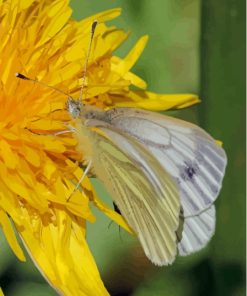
[
  {"x": 84, "y": 117},
  {"x": 84, "y": 112}
]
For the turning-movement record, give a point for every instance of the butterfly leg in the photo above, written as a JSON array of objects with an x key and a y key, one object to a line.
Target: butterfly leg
[
  {"x": 70, "y": 129},
  {"x": 52, "y": 134},
  {"x": 60, "y": 133},
  {"x": 81, "y": 179}
]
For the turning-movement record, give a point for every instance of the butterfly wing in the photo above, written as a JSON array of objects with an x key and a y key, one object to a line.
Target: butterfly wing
[
  {"x": 191, "y": 157},
  {"x": 143, "y": 191},
  {"x": 196, "y": 231},
  {"x": 183, "y": 149}
]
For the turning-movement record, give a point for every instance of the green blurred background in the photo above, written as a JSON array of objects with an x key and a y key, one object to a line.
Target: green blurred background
[{"x": 194, "y": 46}]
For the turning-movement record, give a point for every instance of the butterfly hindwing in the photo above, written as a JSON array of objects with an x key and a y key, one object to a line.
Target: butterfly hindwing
[{"x": 196, "y": 231}]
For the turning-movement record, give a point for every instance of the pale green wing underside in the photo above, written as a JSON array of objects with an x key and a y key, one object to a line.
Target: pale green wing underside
[{"x": 146, "y": 195}]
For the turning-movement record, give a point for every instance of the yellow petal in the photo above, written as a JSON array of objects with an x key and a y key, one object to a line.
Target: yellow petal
[
  {"x": 45, "y": 124},
  {"x": 26, "y": 173},
  {"x": 102, "y": 16},
  {"x": 126, "y": 64},
  {"x": 25, "y": 3},
  {"x": 135, "y": 80},
  {"x": 79, "y": 206},
  {"x": 49, "y": 168},
  {"x": 50, "y": 143},
  {"x": 13, "y": 182},
  {"x": 1, "y": 292},
  {"x": 31, "y": 155},
  {"x": 59, "y": 16},
  {"x": 16, "y": 185},
  {"x": 61, "y": 252},
  {"x": 156, "y": 102},
  {"x": 10, "y": 235},
  {"x": 9, "y": 135},
  {"x": 9, "y": 157},
  {"x": 218, "y": 142},
  {"x": 114, "y": 37}
]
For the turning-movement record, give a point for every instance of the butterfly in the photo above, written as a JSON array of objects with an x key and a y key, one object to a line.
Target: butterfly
[{"x": 163, "y": 174}]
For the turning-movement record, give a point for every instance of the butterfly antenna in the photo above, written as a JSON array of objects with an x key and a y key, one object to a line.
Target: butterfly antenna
[
  {"x": 94, "y": 24},
  {"x": 23, "y": 77}
]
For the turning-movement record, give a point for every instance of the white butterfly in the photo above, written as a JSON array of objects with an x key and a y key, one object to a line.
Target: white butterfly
[{"x": 164, "y": 175}]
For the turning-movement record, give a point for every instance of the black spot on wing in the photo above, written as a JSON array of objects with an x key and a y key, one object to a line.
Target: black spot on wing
[{"x": 188, "y": 170}]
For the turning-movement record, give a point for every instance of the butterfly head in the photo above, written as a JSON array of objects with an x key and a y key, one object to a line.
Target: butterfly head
[{"x": 74, "y": 107}]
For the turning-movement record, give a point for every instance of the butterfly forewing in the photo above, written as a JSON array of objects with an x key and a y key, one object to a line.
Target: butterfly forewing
[{"x": 184, "y": 150}]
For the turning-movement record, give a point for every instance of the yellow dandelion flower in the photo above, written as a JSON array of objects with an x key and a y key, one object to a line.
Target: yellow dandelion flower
[{"x": 38, "y": 170}]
